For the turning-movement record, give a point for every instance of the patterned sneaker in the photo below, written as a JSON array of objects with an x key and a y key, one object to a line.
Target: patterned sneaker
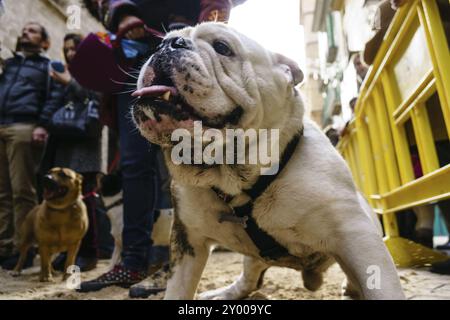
[
  {"x": 118, "y": 276},
  {"x": 151, "y": 285}
]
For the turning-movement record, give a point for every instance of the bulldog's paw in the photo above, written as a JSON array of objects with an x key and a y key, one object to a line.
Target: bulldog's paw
[
  {"x": 312, "y": 280},
  {"x": 226, "y": 293},
  {"x": 218, "y": 294},
  {"x": 348, "y": 291},
  {"x": 46, "y": 278}
]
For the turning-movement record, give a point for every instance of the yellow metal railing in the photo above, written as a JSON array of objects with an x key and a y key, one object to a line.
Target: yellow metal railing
[{"x": 411, "y": 66}]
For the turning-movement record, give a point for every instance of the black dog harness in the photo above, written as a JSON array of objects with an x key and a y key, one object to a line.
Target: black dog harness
[{"x": 268, "y": 247}]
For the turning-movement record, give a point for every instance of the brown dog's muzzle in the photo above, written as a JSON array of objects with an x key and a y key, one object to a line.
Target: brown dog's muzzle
[{"x": 52, "y": 189}]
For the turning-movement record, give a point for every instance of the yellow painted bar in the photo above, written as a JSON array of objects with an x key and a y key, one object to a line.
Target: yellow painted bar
[
  {"x": 387, "y": 141},
  {"x": 357, "y": 153},
  {"x": 398, "y": 132},
  {"x": 389, "y": 46},
  {"x": 355, "y": 166},
  {"x": 377, "y": 152},
  {"x": 347, "y": 158},
  {"x": 437, "y": 44},
  {"x": 368, "y": 177},
  {"x": 430, "y": 188},
  {"x": 422, "y": 97},
  {"x": 376, "y": 144},
  {"x": 424, "y": 137},
  {"x": 422, "y": 87},
  {"x": 389, "y": 220}
]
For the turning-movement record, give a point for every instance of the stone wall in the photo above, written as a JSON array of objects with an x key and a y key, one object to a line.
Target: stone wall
[{"x": 50, "y": 13}]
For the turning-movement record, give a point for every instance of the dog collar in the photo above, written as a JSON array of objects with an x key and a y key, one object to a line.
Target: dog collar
[{"x": 268, "y": 247}]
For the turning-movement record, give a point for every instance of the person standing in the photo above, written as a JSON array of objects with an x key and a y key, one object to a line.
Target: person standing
[
  {"x": 28, "y": 97},
  {"x": 81, "y": 154}
]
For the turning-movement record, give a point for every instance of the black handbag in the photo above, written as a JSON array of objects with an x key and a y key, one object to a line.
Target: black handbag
[{"x": 79, "y": 120}]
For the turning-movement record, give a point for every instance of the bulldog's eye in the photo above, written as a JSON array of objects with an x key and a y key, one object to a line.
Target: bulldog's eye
[
  {"x": 222, "y": 48},
  {"x": 62, "y": 175}
]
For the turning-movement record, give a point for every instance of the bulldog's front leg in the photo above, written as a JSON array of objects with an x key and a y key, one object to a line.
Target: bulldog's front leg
[
  {"x": 186, "y": 273},
  {"x": 188, "y": 257},
  {"x": 250, "y": 280},
  {"x": 46, "y": 263},
  {"x": 368, "y": 265}
]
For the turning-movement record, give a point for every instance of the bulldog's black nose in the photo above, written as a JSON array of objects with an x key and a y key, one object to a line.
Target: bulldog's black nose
[
  {"x": 49, "y": 183},
  {"x": 180, "y": 43}
]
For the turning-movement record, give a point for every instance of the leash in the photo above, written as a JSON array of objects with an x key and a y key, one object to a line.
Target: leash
[
  {"x": 268, "y": 247},
  {"x": 89, "y": 195}
]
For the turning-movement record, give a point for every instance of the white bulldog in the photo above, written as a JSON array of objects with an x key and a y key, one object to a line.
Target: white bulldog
[{"x": 311, "y": 209}]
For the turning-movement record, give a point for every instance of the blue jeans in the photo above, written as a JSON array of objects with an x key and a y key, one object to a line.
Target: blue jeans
[{"x": 140, "y": 192}]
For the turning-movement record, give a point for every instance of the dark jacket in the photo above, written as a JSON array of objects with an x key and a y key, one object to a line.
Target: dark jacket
[
  {"x": 81, "y": 155},
  {"x": 27, "y": 93},
  {"x": 160, "y": 14}
]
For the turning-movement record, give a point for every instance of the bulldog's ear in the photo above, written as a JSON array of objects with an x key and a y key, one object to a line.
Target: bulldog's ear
[
  {"x": 296, "y": 74},
  {"x": 79, "y": 178}
]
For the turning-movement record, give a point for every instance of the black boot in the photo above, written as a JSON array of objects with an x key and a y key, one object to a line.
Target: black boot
[
  {"x": 59, "y": 262},
  {"x": 86, "y": 263}
]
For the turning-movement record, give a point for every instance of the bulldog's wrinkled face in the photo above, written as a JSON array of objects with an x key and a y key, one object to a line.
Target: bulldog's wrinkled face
[
  {"x": 215, "y": 75},
  {"x": 62, "y": 186}
]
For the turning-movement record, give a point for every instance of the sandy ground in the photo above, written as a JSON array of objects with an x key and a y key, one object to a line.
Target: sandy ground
[{"x": 222, "y": 269}]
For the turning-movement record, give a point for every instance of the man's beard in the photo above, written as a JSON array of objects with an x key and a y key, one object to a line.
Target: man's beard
[{"x": 29, "y": 47}]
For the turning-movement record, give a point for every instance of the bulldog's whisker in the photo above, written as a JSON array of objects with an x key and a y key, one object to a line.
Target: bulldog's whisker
[
  {"x": 164, "y": 28},
  {"x": 127, "y": 73},
  {"x": 134, "y": 129},
  {"x": 124, "y": 92},
  {"x": 135, "y": 71},
  {"x": 133, "y": 102},
  {"x": 141, "y": 63},
  {"x": 125, "y": 83}
]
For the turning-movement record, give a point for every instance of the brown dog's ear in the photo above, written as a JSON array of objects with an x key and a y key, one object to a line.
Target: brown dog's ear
[
  {"x": 79, "y": 178},
  {"x": 295, "y": 71}
]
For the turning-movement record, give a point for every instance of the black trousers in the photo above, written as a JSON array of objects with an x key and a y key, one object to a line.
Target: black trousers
[{"x": 89, "y": 244}]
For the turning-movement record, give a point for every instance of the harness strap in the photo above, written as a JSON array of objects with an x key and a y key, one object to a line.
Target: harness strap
[{"x": 268, "y": 247}]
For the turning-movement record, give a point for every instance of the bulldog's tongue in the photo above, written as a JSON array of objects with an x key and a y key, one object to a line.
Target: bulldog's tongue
[
  {"x": 47, "y": 194},
  {"x": 156, "y": 91}
]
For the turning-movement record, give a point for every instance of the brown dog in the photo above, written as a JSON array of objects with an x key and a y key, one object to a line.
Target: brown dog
[{"x": 58, "y": 224}]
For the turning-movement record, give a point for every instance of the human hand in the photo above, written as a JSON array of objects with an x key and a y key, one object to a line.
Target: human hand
[
  {"x": 39, "y": 135},
  {"x": 62, "y": 77},
  {"x": 134, "y": 33}
]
